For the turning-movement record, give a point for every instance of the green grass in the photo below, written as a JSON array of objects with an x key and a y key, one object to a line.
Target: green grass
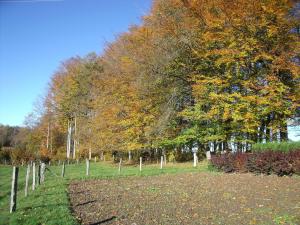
[
  {"x": 275, "y": 146},
  {"x": 49, "y": 203}
]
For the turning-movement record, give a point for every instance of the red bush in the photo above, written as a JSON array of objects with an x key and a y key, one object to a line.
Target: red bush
[{"x": 267, "y": 162}]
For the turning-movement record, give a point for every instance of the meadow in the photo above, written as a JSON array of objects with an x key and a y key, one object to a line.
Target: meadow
[
  {"x": 49, "y": 203},
  {"x": 176, "y": 194}
]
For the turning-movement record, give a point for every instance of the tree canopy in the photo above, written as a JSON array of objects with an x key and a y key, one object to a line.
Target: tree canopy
[{"x": 195, "y": 72}]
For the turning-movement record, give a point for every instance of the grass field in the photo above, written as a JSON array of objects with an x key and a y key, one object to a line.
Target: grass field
[{"x": 49, "y": 203}]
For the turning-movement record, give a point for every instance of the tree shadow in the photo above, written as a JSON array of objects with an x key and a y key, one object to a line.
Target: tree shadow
[
  {"x": 104, "y": 221},
  {"x": 85, "y": 203}
]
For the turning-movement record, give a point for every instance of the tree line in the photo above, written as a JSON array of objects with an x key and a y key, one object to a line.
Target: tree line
[{"x": 207, "y": 75}]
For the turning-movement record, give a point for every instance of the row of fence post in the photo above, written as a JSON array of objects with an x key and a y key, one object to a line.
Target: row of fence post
[
  {"x": 41, "y": 176},
  {"x": 14, "y": 182}
]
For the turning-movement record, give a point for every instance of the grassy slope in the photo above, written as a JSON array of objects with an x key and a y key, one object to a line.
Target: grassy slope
[
  {"x": 49, "y": 203},
  {"x": 276, "y": 146}
]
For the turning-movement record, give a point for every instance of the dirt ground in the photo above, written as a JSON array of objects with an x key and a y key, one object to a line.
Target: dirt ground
[{"x": 190, "y": 198}]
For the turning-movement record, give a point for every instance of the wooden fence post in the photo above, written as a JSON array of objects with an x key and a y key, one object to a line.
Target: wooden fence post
[
  {"x": 14, "y": 189},
  {"x": 208, "y": 155},
  {"x": 161, "y": 162},
  {"x": 43, "y": 167},
  {"x": 27, "y": 180},
  {"x": 39, "y": 174},
  {"x": 63, "y": 169},
  {"x": 33, "y": 176},
  {"x": 141, "y": 159},
  {"x": 120, "y": 163},
  {"x": 90, "y": 153},
  {"x": 195, "y": 159},
  {"x": 87, "y": 167},
  {"x": 129, "y": 156}
]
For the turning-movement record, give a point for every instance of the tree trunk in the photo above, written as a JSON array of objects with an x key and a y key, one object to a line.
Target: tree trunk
[
  {"x": 68, "y": 141},
  {"x": 68, "y": 153},
  {"x": 165, "y": 157},
  {"x": 51, "y": 141},
  {"x": 161, "y": 162},
  {"x": 48, "y": 135},
  {"x": 74, "y": 139},
  {"x": 283, "y": 132},
  {"x": 261, "y": 132}
]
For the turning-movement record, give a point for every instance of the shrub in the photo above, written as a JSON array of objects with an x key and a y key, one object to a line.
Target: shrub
[
  {"x": 224, "y": 162},
  {"x": 20, "y": 155},
  {"x": 182, "y": 156},
  {"x": 5, "y": 155},
  {"x": 267, "y": 162},
  {"x": 240, "y": 162}
]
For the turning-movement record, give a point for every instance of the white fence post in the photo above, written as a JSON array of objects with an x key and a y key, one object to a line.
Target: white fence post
[
  {"x": 195, "y": 159},
  {"x": 43, "y": 167},
  {"x": 87, "y": 167},
  {"x": 141, "y": 160},
  {"x": 33, "y": 176}
]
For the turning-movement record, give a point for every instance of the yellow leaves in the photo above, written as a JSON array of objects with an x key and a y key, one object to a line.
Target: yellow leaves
[
  {"x": 126, "y": 60},
  {"x": 227, "y": 112},
  {"x": 226, "y": 64},
  {"x": 263, "y": 56}
]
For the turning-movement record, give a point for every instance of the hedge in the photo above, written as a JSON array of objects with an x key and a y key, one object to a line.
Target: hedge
[{"x": 267, "y": 162}]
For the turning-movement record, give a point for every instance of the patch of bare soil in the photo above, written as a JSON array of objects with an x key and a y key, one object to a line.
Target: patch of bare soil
[{"x": 191, "y": 198}]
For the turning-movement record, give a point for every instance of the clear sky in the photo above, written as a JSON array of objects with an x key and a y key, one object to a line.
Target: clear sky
[{"x": 36, "y": 35}]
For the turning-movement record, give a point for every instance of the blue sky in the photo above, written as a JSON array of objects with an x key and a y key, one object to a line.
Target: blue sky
[{"x": 36, "y": 35}]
